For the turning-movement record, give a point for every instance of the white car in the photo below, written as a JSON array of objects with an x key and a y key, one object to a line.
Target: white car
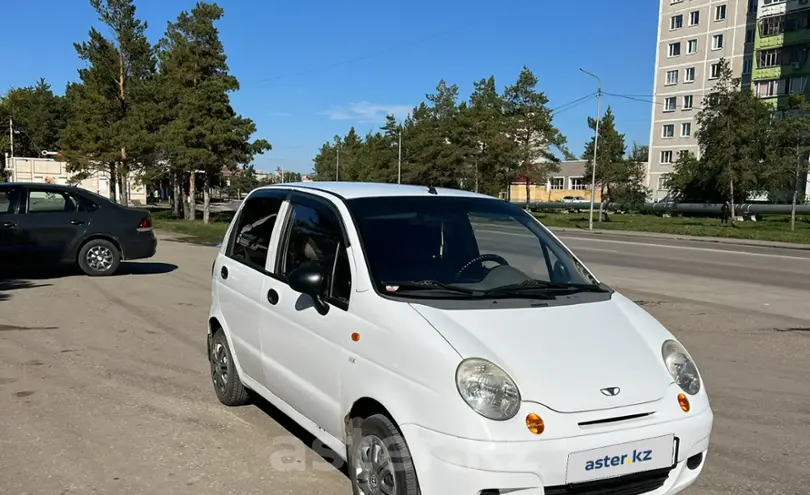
[{"x": 446, "y": 343}]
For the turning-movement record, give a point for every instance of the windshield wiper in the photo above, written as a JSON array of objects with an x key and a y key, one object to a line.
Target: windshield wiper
[
  {"x": 426, "y": 285},
  {"x": 533, "y": 285}
]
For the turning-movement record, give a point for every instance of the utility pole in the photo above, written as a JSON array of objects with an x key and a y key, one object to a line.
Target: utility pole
[
  {"x": 337, "y": 165},
  {"x": 11, "y": 135},
  {"x": 399, "y": 160},
  {"x": 595, "y": 148}
]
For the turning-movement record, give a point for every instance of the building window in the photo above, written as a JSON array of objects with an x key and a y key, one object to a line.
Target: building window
[
  {"x": 796, "y": 21},
  {"x": 687, "y": 102},
  {"x": 686, "y": 129},
  {"x": 676, "y": 22},
  {"x": 578, "y": 184},
  {"x": 769, "y": 58},
  {"x": 668, "y": 130},
  {"x": 797, "y": 55},
  {"x": 720, "y": 13},
  {"x": 691, "y": 46},
  {"x": 670, "y": 104},
  {"x": 748, "y": 65},
  {"x": 689, "y": 75},
  {"x": 750, "y": 34},
  {"x": 797, "y": 84},
  {"x": 694, "y": 18},
  {"x": 717, "y": 42},
  {"x": 557, "y": 183},
  {"x": 672, "y": 77},
  {"x": 666, "y": 157},
  {"x": 771, "y": 26},
  {"x": 674, "y": 49},
  {"x": 766, "y": 89},
  {"x": 663, "y": 181},
  {"x": 714, "y": 72},
  {"x": 752, "y": 6}
]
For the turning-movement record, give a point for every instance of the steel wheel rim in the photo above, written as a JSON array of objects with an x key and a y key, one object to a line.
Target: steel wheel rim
[
  {"x": 219, "y": 368},
  {"x": 373, "y": 468},
  {"x": 99, "y": 258}
]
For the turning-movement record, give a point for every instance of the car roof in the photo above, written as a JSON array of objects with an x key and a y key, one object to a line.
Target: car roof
[
  {"x": 39, "y": 185},
  {"x": 353, "y": 190}
]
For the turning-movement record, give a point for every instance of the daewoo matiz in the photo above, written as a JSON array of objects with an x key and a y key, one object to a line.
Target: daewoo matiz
[{"x": 445, "y": 342}]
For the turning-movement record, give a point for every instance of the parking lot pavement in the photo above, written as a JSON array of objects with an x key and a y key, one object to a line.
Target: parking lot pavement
[{"x": 104, "y": 387}]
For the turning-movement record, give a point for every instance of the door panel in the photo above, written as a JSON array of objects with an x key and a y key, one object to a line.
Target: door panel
[
  {"x": 241, "y": 283},
  {"x": 52, "y": 225},
  {"x": 304, "y": 350}
]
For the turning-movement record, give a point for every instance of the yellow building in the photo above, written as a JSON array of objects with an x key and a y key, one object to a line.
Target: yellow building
[{"x": 569, "y": 181}]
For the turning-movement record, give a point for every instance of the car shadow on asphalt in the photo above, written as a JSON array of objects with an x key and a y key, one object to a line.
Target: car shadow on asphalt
[
  {"x": 14, "y": 278},
  {"x": 308, "y": 439}
]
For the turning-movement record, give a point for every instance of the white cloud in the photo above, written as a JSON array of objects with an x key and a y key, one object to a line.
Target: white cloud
[
  {"x": 366, "y": 113},
  {"x": 280, "y": 114}
]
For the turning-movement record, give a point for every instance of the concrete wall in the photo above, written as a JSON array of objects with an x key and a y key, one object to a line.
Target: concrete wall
[{"x": 49, "y": 170}]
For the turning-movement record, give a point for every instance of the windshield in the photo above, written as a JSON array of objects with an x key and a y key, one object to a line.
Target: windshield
[{"x": 475, "y": 244}]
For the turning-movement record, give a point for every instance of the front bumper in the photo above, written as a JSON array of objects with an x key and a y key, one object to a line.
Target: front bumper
[{"x": 451, "y": 465}]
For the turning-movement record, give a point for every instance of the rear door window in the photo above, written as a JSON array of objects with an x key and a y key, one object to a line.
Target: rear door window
[{"x": 249, "y": 242}]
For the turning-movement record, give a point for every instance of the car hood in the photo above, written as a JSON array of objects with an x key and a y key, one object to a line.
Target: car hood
[{"x": 564, "y": 356}]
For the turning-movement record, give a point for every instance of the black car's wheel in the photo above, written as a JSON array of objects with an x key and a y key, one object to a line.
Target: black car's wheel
[
  {"x": 99, "y": 258},
  {"x": 379, "y": 459},
  {"x": 227, "y": 384}
]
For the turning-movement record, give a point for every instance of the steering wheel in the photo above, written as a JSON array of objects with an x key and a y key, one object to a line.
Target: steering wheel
[{"x": 481, "y": 259}]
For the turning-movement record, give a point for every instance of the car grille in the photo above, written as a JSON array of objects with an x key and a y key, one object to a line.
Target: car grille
[{"x": 631, "y": 484}]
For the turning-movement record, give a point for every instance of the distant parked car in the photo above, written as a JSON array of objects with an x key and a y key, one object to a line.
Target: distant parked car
[
  {"x": 49, "y": 223},
  {"x": 574, "y": 199}
]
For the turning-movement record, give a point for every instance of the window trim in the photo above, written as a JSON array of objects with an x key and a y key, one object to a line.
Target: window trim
[{"x": 313, "y": 201}]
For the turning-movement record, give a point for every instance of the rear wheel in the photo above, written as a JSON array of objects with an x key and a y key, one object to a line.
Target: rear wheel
[
  {"x": 99, "y": 258},
  {"x": 227, "y": 384},
  {"x": 379, "y": 460}
]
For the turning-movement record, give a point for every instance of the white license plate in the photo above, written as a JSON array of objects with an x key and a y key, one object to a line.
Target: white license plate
[{"x": 621, "y": 459}]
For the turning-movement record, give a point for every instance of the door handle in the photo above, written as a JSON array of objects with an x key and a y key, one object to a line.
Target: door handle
[
  {"x": 272, "y": 297},
  {"x": 224, "y": 272},
  {"x": 76, "y": 222},
  {"x": 9, "y": 225}
]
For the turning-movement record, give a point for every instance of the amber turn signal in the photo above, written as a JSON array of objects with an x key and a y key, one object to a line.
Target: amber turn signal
[
  {"x": 684, "y": 403},
  {"x": 355, "y": 336},
  {"x": 535, "y": 424}
]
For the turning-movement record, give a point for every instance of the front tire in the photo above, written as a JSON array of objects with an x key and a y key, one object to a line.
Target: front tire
[
  {"x": 99, "y": 258},
  {"x": 379, "y": 459},
  {"x": 227, "y": 384}
]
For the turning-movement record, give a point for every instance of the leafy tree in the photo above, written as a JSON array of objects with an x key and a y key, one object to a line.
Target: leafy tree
[
  {"x": 107, "y": 129},
  {"x": 201, "y": 131},
  {"x": 530, "y": 125},
  {"x": 733, "y": 138},
  {"x": 789, "y": 150},
  {"x": 628, "y": 190},
  {"x": 38, "y": 118}
]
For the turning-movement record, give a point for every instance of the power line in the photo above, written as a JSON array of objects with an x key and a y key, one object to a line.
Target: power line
[
  {"x": 642, "y": 100},
  {"x": 573, "y": 104}
]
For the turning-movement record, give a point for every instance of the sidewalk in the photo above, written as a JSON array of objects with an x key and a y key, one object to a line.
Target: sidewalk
[{"x": 679, "y": 237}]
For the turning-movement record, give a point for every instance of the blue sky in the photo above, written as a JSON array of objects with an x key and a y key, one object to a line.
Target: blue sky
[{"x": 311, "y": 69}]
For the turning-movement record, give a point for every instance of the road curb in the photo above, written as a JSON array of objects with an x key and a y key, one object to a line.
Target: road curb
[{"x": 681, "y": 237}]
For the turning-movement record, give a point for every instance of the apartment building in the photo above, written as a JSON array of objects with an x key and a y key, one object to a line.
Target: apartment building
[
  {"x": 781, "y": 50},
  {"x": 693, "y": 35}
]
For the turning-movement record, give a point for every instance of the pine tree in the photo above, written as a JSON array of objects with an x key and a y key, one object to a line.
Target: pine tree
[
  {"x": 611, "y": 167},
  {"x": 202, "y": 131}
]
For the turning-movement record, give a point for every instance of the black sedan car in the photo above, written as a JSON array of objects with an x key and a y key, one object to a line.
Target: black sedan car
[{"x": 47, "y": 223}]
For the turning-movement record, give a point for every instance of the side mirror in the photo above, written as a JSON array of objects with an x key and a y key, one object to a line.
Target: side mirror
[
  {"x": 309, "y": 279},
  {"x": 561, "y": 273}
]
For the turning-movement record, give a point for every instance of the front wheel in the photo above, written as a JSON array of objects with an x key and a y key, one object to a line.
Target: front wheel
[
  {"x": 99, "y": 258},
  {"x": 379, "y": 460}
]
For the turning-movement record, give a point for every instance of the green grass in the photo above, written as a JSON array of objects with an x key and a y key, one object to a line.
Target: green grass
[
  {"x": 196, "y": 231},
  {"x": 769, "y": 228}
]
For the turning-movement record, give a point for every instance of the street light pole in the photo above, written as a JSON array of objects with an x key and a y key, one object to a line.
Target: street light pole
[{"x": 595, "y": 148}]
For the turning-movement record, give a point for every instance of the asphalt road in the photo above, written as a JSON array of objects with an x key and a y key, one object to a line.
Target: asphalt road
[{"x": 104, "y": 383}]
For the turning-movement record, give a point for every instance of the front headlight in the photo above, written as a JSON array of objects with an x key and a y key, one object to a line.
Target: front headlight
[
  {"x": 487, "y": 389},
  {"x": 681, "y": 366}
]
